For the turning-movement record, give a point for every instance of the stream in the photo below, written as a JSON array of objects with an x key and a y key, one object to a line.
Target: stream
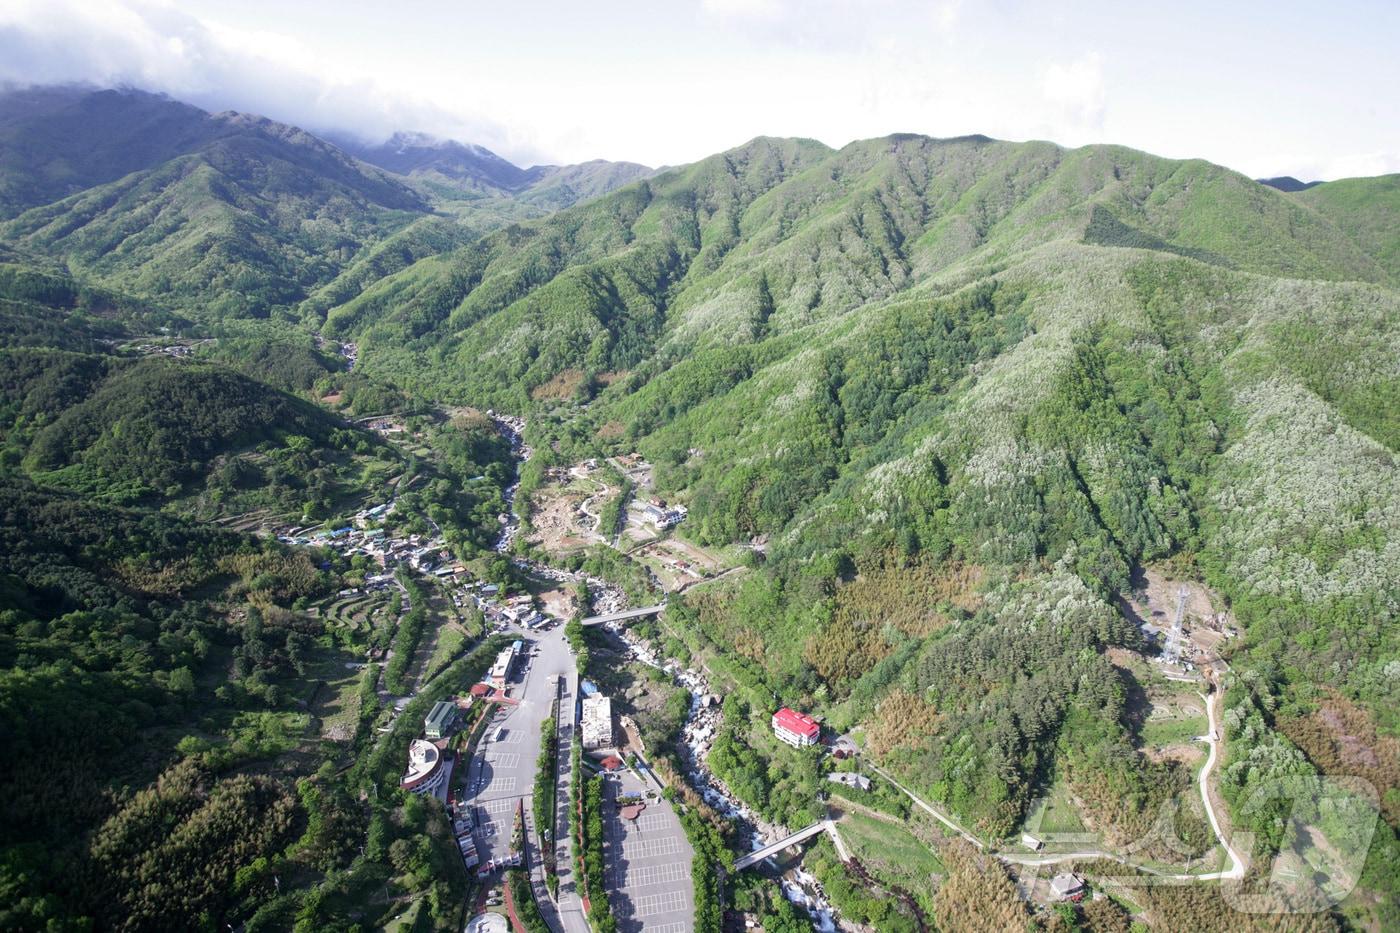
[
  {"x": 701, "y": 724},
  {"x": 701, "y": 721}
]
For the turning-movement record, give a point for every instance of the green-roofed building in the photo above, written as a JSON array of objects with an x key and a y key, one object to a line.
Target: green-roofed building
[{"x": 440, "y": 721}]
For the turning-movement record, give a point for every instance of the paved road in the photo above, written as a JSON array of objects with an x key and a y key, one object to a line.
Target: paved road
[{"x": 502, "y": 772}]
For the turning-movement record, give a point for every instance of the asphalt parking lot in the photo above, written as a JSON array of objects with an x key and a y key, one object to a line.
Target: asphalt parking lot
[
  {"x": 648, "y": 864},
  {"x": 501, "y": 773}
]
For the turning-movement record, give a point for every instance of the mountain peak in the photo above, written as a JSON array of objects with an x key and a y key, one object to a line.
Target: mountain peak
[
  {"x": 415, "y": 153},
  {"x": 1287, "y": 183}
]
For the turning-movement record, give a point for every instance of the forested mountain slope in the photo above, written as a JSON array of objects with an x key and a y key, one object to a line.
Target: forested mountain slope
[
  {"x": 235, "y": 216},
  {"x": 1366, "y": 209},
  {"x": 950, "y": 398},
  {"x": 1009, "y": 374},
  {"x": 779, "y": 235},
  {"x": 251, "y": 221},
  {"x": 123, "y": 428},
  {"x": 56, "y": 141},
  {"x": 108, "y": 614}
]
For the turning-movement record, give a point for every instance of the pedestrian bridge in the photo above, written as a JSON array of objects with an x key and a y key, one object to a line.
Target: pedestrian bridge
[
  {"x": 758, "y": 855},
  {"x": 625, "y": 615}
]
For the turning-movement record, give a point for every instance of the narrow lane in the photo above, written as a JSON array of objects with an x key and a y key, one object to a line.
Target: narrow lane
[{"x": 1237, "y": 867}]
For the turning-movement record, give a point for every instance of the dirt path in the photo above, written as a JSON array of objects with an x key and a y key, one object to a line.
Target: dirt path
[
  {"x": 438, "y": 619},
  {"x": 1237, "y": 865},
  {"x": 1235, "y": 872},
  {"x": 732, "y": 571}
]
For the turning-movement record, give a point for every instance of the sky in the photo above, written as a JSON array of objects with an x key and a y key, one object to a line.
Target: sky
[{"x": 1304, "y": 89}]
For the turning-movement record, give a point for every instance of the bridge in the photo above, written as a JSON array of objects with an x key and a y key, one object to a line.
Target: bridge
[
  {"x": 624, "y": 615},
  {"x": 820, "y": 826}
]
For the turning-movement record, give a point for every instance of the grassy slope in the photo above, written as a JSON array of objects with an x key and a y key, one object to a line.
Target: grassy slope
[{"x": 1365, "y": 208}]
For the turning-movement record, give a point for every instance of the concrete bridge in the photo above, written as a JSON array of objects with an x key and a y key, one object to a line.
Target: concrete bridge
[
  {"x": 820, "y": 826},
  {"x": 625, "y": 615}
]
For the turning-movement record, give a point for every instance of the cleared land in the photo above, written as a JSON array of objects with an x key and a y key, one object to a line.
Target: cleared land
[{"x": 889, "y": 850}]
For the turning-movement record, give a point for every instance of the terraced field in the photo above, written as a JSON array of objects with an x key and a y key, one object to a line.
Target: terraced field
[{"x": 357, "y": 616}]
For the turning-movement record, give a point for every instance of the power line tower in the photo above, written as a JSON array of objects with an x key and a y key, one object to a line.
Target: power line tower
[{"x": 1173, "y": 652}]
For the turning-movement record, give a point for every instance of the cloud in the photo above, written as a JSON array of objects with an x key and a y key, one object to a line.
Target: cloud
[
  {"x": 945, "y": 15},
  {"x": 154, "y": 46},
  {"x": 1356, "y": 165},
  {"x": 744, "y": 9},
  {"x": 1075, "y": 91}
]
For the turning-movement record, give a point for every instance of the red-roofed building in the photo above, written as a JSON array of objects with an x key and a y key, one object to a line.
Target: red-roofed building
[
  {"x": 796, "y": 729},
  {"x": 480, "y": 690}
]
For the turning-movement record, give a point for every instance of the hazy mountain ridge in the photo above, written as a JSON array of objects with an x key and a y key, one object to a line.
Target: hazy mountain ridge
[
  {"x": 1288, "y": 184},
  {"x": 476, "y": 169},
  {"x": 240, "y": 215}
]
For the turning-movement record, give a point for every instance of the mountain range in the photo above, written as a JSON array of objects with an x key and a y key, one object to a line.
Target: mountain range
[
  {"x": 238, "y": 213},
  {"x": 944, "y": 404},
  {"x": 450, "y": 167}
]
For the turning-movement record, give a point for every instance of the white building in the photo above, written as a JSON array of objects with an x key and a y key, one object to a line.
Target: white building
[
  {"x": 425, "y": 770},
  {"x": 597, "y": 730}
]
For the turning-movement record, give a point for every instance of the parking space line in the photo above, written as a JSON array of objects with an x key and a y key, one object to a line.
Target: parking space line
[
  {"x": 649, "y": 822},
  {"x": 647, "y": 875},
  {"x": 499, "y": 804},
  {"x": 662, "y": 903},
  {"x": 679, "y": 927},
  {"x": 650, "y": 848}
]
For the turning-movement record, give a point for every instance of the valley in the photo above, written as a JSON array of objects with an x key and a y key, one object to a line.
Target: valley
[{"x": 1023, "y": 520}]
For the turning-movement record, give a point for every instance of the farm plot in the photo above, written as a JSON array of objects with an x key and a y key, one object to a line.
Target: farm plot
[
  {"x": 678, "y": 563},
  {"x": 890, "y": 851}
]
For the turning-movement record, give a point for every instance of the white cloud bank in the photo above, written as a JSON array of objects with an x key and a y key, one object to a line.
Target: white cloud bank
[
  {"x": 1076, "y": 90},
  {"x": 157, "y": 47},
  {"x": 669, "y": 83}
]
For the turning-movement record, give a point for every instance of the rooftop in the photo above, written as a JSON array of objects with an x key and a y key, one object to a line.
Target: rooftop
[
  {"x": 441, "y": 713},
  {"x": 423, "y": 760},
  {"x": 793, "y": 721}
]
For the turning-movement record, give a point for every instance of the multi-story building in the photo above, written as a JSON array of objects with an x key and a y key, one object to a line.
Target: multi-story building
[
  {"x": 596, "y": 730},
  {"x": 425, "y": 773},
  {"x": 796, "y": 729}
]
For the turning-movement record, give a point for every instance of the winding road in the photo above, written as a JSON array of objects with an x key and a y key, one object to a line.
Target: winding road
[{"x": 1235, "y": 872}]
